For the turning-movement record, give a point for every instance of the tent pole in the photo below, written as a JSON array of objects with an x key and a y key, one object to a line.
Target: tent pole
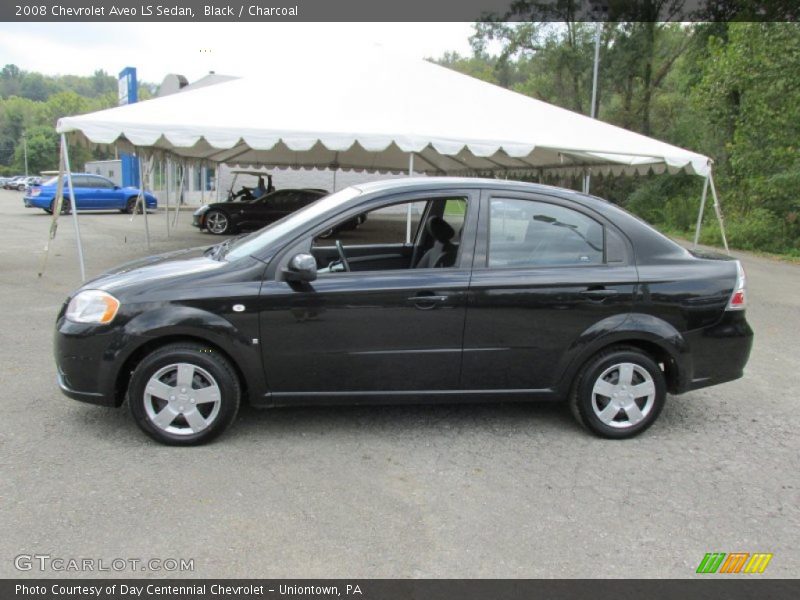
[
  {"x": 203, "y": 179},
  {"x": 718, "y": 211},
  {"x": 73, "y": 206},
  {"x": 700, "y": 214},
  {"x": 179, "y": 195},
  {"x": 165, "y": 182},
  {"x": 58, "y": 200},
  {"x": 142, "y": 176},
  {"x": 408, "y": 206}
]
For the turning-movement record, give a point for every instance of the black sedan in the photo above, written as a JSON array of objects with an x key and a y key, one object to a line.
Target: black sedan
[
  {"x": 452, "y": 290},
  {"x": 231, "y": 217}
]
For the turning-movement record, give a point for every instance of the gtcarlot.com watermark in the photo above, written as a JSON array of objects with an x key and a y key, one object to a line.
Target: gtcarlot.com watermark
[{"x": 61, "y": 564}]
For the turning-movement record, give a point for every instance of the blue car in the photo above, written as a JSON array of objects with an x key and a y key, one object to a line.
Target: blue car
[{"x": 92, "y": 192}]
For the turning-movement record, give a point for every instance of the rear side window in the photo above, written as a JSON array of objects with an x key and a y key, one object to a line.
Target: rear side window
[
  {"x": 527, "y": 233},
  {"x": 99, "y": 182}
]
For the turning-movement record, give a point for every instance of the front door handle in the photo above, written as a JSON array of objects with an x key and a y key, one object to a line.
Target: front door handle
[
  {"x": 423, "y": 302},
  {"x": 598, "y": 293}
]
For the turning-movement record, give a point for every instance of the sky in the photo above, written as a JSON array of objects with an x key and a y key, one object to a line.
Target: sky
[{"x": 194, "y": 49}]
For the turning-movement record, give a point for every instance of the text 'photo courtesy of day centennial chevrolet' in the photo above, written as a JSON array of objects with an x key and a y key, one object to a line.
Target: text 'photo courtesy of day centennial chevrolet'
[{"x": 449, "y": 290}]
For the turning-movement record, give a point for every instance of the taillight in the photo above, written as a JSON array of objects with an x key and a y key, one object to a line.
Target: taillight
[
  {"x": 36, "y": 191},
  {"x": 738, "y": 299}
]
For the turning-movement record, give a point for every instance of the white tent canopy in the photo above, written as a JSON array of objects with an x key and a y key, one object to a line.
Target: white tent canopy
[
  {"x": 370, "y": 112},
  {"x": 375, "y": 112}
]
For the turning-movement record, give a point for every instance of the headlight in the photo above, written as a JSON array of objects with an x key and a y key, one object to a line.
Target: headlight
[
  {"x": 201, "y": 210},
  {"x": 92, "y": 306}
]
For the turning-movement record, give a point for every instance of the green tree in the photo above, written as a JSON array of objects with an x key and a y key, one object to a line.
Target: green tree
[
  {"x": 42, "y": 147},
  {"x": 750, "y": 90}
]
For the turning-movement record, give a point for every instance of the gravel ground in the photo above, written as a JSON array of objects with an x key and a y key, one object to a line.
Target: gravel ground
[{"x": 431, "y": 491}]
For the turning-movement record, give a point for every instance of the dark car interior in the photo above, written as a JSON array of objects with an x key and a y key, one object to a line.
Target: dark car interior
[{"x": 380, "y": 243}]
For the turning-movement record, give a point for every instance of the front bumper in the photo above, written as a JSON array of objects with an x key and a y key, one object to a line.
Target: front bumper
[
  {"x": 90, "y": 397},
  {"x": 199, "y": 221},
  {"x": 86, "y": 361}
]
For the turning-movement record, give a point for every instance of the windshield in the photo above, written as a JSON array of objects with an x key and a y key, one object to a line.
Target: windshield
[{"x": 253, "y": 243}]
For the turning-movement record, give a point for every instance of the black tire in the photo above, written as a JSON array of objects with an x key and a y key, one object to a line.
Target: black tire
[
  {"x": 200, "y": 357},
  {"x": 130, "y": 206},
  {"x": 585, "y": 407},
  {"x": 65, "y": 207},
  {"x": 48, "y": 211}
]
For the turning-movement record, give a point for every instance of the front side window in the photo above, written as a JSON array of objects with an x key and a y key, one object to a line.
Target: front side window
[
  {"x": 382, "y": 226},
  {"x": 276, "y": 199},
  {"x": 259, "y": 241},
  {"x": 527, "y": 233},
  {"x": 416, "y": 234}
]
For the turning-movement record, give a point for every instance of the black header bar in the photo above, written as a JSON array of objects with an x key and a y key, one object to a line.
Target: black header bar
[{"x": 397, "y": 10}]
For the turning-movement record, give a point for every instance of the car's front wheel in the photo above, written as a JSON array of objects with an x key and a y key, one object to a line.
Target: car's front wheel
[
  {"x": 184, "y": 394},
  {"x": 218, "y": 223},
  {"x": 131, "y": 207},
  {"x": 618, "y": 393}
]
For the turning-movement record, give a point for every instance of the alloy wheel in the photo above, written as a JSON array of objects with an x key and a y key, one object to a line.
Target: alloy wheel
[
  {"x": 217, "y": 223},
  {"x": 182, "y": 399},
  {"x": 623, "y": 395}
]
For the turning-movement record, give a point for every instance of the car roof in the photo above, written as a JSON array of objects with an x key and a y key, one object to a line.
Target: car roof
[{"x": 410, "y": 184}]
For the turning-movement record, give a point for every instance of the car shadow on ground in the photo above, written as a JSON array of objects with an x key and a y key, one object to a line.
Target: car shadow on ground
[{"x": 253, "y": 424}]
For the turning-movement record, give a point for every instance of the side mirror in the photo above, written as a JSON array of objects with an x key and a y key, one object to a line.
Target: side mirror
[
  {"x": 301, "y": 268},
  {"x": 116, "y": 187}
]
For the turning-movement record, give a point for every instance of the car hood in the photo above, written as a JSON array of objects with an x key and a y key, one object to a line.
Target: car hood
[
  {"x": 161, "y": 266},
  {"x": 207, "y": 207}
]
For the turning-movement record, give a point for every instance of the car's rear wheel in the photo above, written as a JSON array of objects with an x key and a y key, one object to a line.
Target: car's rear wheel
[
  {"x": 65, "y": 207},
  {"x": 618, "y": 393},
  {"x": 184, "y": 394},
  {"x": 130, "y": 206},
  {"x": 218, "y": 223}
]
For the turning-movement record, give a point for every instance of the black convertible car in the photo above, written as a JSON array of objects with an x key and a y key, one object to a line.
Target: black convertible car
[
  {"x": 453, "y": 290},
  {"x": 231, "y": 217}
]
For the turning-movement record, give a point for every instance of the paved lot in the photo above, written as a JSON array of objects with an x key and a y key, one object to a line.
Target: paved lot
[{"x": 448, "y": 491}]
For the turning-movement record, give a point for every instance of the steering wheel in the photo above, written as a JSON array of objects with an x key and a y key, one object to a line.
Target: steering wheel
[{"x": 342, "y": 255}]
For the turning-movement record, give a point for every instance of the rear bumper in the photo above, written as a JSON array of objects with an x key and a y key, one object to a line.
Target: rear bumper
[
  {"x": 718, "y": 353},
  {"x": 35, "y": 202}
]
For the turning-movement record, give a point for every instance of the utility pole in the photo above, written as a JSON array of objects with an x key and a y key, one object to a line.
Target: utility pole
[
  {"x": 25, "y": 150},
  {"x": 597, "y": 28}
]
